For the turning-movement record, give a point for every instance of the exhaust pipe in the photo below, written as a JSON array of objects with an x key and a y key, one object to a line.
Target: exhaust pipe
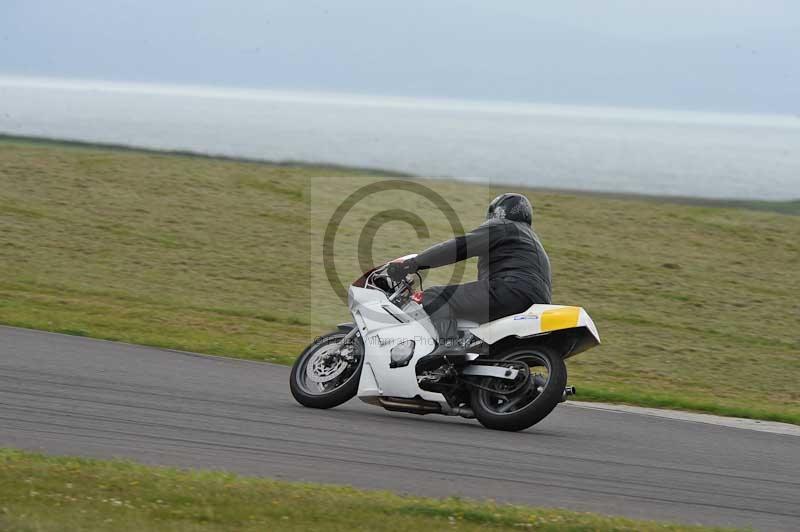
[
  {"x": 568, "y": 391},
  {"x": 412, "y": 406},
  {"x": 463, "y": 411},
  {"x": 422, "y": 407}
]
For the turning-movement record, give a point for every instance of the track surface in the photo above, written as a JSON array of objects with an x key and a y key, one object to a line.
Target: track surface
[{"x": 69, "y": 395}]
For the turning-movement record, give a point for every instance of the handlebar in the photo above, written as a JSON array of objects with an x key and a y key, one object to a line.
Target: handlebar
[
  {"x": 378, "y": 279},
  {"x": 404, "y": 285}
]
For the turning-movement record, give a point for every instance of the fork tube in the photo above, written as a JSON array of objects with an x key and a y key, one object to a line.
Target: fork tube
[{"x": 349, "y": 336}]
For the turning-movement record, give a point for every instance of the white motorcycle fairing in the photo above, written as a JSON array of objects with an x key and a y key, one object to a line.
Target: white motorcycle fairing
[{"x": 382, "y": 326}]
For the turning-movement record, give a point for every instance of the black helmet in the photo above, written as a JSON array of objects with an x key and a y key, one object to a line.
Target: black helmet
[{"x": 515, "y": 207}]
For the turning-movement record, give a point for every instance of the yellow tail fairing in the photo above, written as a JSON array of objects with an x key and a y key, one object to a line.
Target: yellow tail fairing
[
  {"x": 570, "y": 326},
  {"x": 559, "y": 318}
]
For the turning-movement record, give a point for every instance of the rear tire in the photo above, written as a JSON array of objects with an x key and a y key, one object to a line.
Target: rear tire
[
  {"x": 488, "y": 408},
  {"x": 340, "y": 388}
]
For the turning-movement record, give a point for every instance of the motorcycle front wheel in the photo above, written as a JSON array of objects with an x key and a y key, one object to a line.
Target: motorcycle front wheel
[
  {"x": 326, "y": 373},
  {"x": 522, "y": 407}
]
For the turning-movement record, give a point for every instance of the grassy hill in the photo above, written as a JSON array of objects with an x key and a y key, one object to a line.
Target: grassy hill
[{"x": 697, "y": 304}]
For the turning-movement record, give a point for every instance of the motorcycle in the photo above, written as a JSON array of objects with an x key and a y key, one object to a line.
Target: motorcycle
[{"x": 511, "y": 377}]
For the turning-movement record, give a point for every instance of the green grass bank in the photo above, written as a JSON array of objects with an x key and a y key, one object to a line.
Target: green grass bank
[
  {"x": 697, "y": 304},
  {"x": 41, "y": 493}
]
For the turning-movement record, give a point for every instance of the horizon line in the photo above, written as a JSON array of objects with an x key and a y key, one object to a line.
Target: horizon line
[{"x": 363, "y": 99}]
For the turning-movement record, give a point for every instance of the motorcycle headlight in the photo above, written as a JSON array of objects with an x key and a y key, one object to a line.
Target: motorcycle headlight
[{"x": 401, "y": 354}]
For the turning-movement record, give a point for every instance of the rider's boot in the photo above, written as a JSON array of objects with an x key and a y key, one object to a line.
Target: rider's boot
[{"x": 448, "y": 351}]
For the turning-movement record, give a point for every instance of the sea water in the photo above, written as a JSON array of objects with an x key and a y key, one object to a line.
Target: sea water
[{"x": 568, "y": 147}]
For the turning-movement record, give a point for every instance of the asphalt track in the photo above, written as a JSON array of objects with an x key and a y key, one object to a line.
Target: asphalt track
[{"x": 70, "y": 395}]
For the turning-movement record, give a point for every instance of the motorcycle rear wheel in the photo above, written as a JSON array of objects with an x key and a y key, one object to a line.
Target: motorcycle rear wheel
[
  {"x": 530, "y": 405},
  {"x": 321, "y": 377}
]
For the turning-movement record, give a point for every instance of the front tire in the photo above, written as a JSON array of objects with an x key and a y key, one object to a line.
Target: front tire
[
  {"x": 530, "y": 405},
  {"x": 324, "y": 376}
]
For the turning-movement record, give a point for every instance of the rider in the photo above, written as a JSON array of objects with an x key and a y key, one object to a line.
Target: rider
[{"x": 513, "y": 271}]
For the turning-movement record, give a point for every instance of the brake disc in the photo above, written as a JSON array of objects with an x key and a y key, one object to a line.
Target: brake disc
[{"x": 324, "y": 368}]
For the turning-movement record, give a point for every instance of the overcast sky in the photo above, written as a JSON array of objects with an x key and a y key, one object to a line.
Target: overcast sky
[{"x": 686, "y": 54}]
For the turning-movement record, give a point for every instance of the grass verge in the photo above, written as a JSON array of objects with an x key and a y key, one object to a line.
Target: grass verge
[
  {"x": 696, "y": 303},
  {"x": 43, "y": 493}
]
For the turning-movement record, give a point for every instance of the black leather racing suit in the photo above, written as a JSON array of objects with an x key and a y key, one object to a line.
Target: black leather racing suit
[{"x": 513, "y": 274}]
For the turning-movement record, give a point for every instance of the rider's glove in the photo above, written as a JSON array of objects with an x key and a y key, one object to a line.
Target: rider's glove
[{"x": 398, "y": 270}]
